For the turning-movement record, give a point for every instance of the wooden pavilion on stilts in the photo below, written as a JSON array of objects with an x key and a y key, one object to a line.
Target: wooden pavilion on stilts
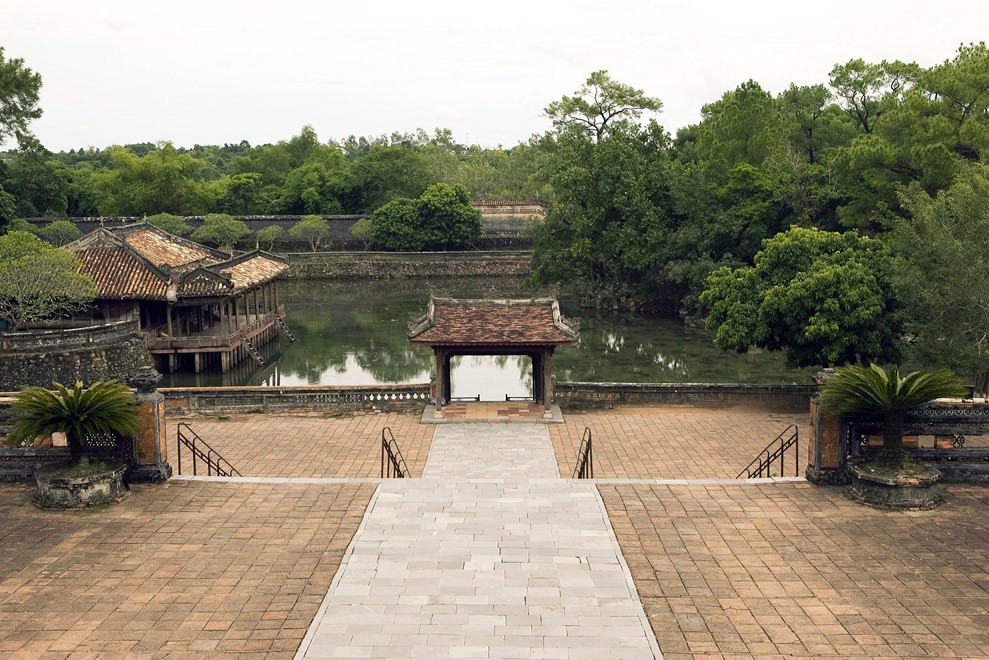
[{"x": 199, "y": 308}]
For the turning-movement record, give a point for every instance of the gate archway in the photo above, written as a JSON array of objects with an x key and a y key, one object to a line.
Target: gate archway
[{"x": 532, "y": 327}]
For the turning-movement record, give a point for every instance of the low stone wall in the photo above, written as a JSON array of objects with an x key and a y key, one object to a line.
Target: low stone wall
[
  {"x": 383, "y": 265},
  {"x": 320, "y": 398},
  {"x": 20, "y": 464},
  {"x": 101, "y": 352},
  {"x": 606, "y": 394}
]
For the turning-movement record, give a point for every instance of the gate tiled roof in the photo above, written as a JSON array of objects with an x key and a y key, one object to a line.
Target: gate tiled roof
[{"x": 488, "y": 323}]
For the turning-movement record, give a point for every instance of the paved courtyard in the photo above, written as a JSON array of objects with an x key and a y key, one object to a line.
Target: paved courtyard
[
  {"x": 290, "y": 446},
  {"x": 185, "y": 568},
  {"x": 723, "y": 570}
]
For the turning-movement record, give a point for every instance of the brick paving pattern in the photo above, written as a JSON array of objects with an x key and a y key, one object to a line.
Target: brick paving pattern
[
  {"x": 184, "y": 568},
  {"x": 487, "y": 410},
  {"x": 794, "y": 570},
  {"x": 300, "y": 446},
  {"x": 724, "y": 571},
  {"x": 675, "y": 442}
]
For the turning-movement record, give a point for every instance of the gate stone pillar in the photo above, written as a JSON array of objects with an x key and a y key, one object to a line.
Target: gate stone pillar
[
  {"x": 826, "y": 463},
  {"x": 149, "y": 458}
]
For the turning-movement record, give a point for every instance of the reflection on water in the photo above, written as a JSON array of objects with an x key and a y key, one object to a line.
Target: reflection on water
[{"x": 355, "y": 333}]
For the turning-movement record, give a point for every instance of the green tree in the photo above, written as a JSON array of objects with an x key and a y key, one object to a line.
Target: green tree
[
  {"x": 867, "y": 91},
  {"x": 38, "y": 281},
  {"x": 221, "y": 230},
  {"x": 162, "y": 181},
  {"x": 38, "y": 184},
  {"x": 19, "y": 87},
  {"x": 269, "y": 235},
  {"x": 941, "y": 271},
  {"x": 822, "y": 297},
  {"x": 59, "y": 232},
  {"x": 441, "y": 219},
  {"x": 872, "y": 391},
  {"x": 394, "y": 226},
  {"x": 238, "y": 193},
  {"x": 173, "y": 224},
  {"x": 362, "y": 231},
  {"x": 599, "y": 102},
  {"x": 105, "y": 407},
  {"x": 312, "y": 229},
  {"x": 387, "y": 172},
  {"x": 316, "y": 186},
  {"x": 446, "y": 218},
  {"x": 607, "y": 231}
]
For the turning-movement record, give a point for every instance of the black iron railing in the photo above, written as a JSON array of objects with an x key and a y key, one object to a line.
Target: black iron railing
[
  {"x": 392, "y": 463},
  {"x": 585, "y": 457},
  {"x": 201, "y": 451},
  {"x": 761, "y": 465},
  {"x": 462, "y": 399}
]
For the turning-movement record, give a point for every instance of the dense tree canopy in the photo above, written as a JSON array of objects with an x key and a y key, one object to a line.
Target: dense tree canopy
[
  {"x": 822, "y": 297},
  {"x": 942, "y": 273}
]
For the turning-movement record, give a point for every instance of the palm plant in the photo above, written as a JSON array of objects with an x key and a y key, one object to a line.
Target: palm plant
[
  {"x": 871, "y": 390},
  {"x": 106, "y": 407}
]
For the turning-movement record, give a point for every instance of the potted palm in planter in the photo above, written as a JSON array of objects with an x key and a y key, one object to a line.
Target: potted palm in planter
[
  {"x": 104, "y": 409},
  {"x": 892, "y": 479}
]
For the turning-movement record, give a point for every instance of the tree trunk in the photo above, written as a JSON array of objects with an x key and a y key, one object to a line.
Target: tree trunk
[
  {"x": 77, "y": 452},
  {"x": 982, "y": 384},
  {"x": 893, "y": 425}
]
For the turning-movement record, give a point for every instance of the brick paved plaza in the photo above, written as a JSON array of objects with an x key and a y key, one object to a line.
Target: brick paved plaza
[{"x": 723, "y": 570}]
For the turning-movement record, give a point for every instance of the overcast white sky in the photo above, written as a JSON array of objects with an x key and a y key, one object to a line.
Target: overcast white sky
[{"x": 210, "y": 71}]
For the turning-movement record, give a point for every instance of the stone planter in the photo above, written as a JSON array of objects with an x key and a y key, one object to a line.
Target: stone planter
[
  {"x": 61, "y": 487},
  {"x": 886, "y": 490}
]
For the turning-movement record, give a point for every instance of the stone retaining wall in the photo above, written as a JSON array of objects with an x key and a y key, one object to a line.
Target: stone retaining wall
[
  {"x": 607, "y": 394},
  {"x": 100, "y": 352},
  {"x": 382, "y": 265}
]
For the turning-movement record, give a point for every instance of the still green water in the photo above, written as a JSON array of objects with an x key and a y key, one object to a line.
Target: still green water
[{"x": 354, "y": 333}]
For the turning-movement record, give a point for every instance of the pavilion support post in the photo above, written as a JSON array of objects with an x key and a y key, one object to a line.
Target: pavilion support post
[
  {"x": 442, "y": 364},
  {"x": 537, "y": 376},
  {"x": 447, "y": 378},
  {"x": 547, "y": 382}
]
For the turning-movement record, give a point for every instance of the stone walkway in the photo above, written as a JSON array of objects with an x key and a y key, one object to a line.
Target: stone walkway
[{"x": 490, "y": 555}]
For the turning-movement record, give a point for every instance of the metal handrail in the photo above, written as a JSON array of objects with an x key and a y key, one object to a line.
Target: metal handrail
[
  {"x": 585, "y": 457},
  {"x": 764, "y": 461},
  {"x": 214, "y": 462},
  {"x": 392, "y": 463},
  {"x": 462, "y": 399}
]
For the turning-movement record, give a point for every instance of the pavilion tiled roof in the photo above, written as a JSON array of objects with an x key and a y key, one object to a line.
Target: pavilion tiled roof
[
  {"x": 483, "y": 323},
  {"x": 143, "y": 262}
]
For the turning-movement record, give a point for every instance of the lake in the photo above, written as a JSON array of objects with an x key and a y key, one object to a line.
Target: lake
[{"x": 355, "y": 333}]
